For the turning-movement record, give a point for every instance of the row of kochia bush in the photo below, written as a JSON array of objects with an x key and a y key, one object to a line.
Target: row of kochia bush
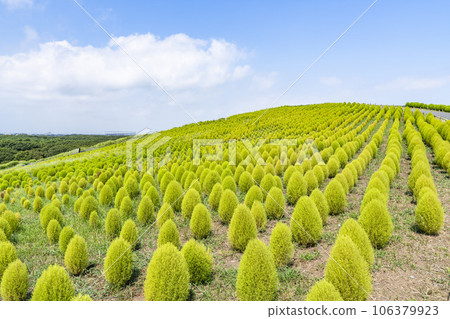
[
  {"x": 437, "y": 107},
  {"x": 429, "y": 215},
  {"x": 433, "y": 135}
]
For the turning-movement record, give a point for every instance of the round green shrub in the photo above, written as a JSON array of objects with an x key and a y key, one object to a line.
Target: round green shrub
[
  {"x": 4, "y": 225},
  {"x": 53, "y": 231},
  {"x": 106, "y": 195},
  {"x": 296, "y": 188},
  {"x": 336, "y": 197},
  {"x": 267, "y": 182},
  {"x": 275, "y": 203},
  {"x": 227, "y": 205},
  {"x": 65, "y": 199},
  {"x": 199, "y": 261},
  {"x": 169, "y": 234},
  {"x": 165, "y": 213},
  {"x": 77, "y": 205},
  {"x": 37, "y": 204},
  {"x": 121, "y": 194},
  {"x": 245, "y": 182},
  {"x": 7, "y": 255},
  {"x": 259, "y": 214},
  {"x": 356, "y": 233},
  {"x": 333, "y": 166},
  {"x": 49, "y": 193},
  {"x": 81, "y": 298},
  {"x": 242, "y": 228},
  {"x": 89, "y": 205},
  {"x": 253, "y": 194},
  {"x": 306, "y": 223},
  {"x": 118, "y": 263},
  {"x": 12, "y": 220},
  {"x": 347, "y": 270},
  {"x": 167, "y": 275},
  {"x": 216, "y": 193},
  {"x": 113, "y": 223},
  {"x": 281, "y": 245},
  {"x": 76, "y": 255},
  {"x": 200, "y": 223},
  {"x": 27, "y": 203},
  {"x": 422, "y": 182},
  {"x": 14, "y": 283},
  {"x": 372, "y": 194},
  {"x": 126, "y": 207},
  {"x": 321, "y": 203},
  {"x": 258, "y": 174},
  {"x": 146, "y": 211},
  {"x": 429, "y": 213},
  {"x": 311, "y": 181},
  {"x": 65, "y": 236},
  {"x": 131, "y": 186},
  {"x": 376, "y": 221},
  {"x": 343, "y": 181},
  {"x": 210, "y": 180},
  {"x": 94, "y": 220},
  {"x": 152, "y": 192},
  {"x": 53, "y": 285},
  {"x": 257, "y": 278},
  {"x": 63, "y": 187},
  {"x": 129, "y": 232},
  {"x": 323, "y": 291},
  {"x": 319, "y": 174},
  {"x": 48, "y": 213},
  {"x": 421, "y": 168},
  {"x": 40, "y": 191},
  {"x": 288, "y": 174},
  {"x": 173, "y": 195},
  {"x": 229, "y": 183},
  {"x": 190, "y": 200}
]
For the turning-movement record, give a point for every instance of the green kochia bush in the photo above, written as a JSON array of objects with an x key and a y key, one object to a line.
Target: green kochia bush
[
  {"x": 356, "y": 233},
  {"x": 76, "y": 256},
  {"x": 377, "y": 223},
  {"x": 199, "y": 261},
  {"x": 132, "y": 187},
  {"x": 259, "y": 213},
  {"x": 65, "y": 236},
  {"x": 118, "y": 262},
  {"x": 216, "y": 193},
  {"x": 227, "y": 205},
  {"x": 296, "y": 188},
  {"x": 4, "y": 225},
  {"x": 37, "y": 204},
  {"x": 129, "y": 232},
  {"x": 253, "y": 194},
  {"x": 323, "y": 291},
  {"x": 275, "y": 203},
  {"x": 106, "y": 195},
  {"x": 126, "y": 207},
  {"x": 88, "y": 205},
  {"x": 48, "y": 213},
  {"x": 94, "y": 219},
  {"x": 281, "y": 245},
  {"x": 53, "y": 230},
  {"x": 53, "y": 285},
  {"x": 7, "y": 255},
  {"x": 167, "y": 275},
  {"x": 429, "y": 213},
  {"x": 113, "y": 223},
  {"x": 121, "y": 193},
  {"x": 242, "y": 228},
  {"x": 190, "y": 200},
  {"x": 169, "y": 234},
  {"x": 245, "y": 182},
  {"x": 173, "y": 195},
  {"x": 14, "y": 283},
  {"x": 336, "y": 197},
  {"x": 12, "y": 220},
  {"x": 306, "y": 223},
  {"x": 146, "y": 211},
  {"x": 200, "y": 222},
  {"x": 257, "y": 276},
  {"x": 321, "y": 203},
  {"x": 165, "y": 213},
  {"x": 347, "y": 270}
]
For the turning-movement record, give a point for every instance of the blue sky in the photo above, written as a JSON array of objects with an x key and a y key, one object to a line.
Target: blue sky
[{"x": 60, "y": 73}]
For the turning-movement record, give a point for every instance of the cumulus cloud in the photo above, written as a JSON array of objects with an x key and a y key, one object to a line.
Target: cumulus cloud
[
  {"x": 14, "y": 4},
  {"x": 414, "y": 83},
  {"x": 178, "y": 62}
]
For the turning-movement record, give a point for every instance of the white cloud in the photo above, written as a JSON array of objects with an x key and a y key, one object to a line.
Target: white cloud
[
  {"x": 178, "y": 62},
  {"x": 330, "y": 80},
  {"x": 414, "y": 83},
  {"x": 14, "y": 4}
]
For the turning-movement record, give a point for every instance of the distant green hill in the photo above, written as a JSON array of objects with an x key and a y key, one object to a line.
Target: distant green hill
[{"x": 26, "y": 147}]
